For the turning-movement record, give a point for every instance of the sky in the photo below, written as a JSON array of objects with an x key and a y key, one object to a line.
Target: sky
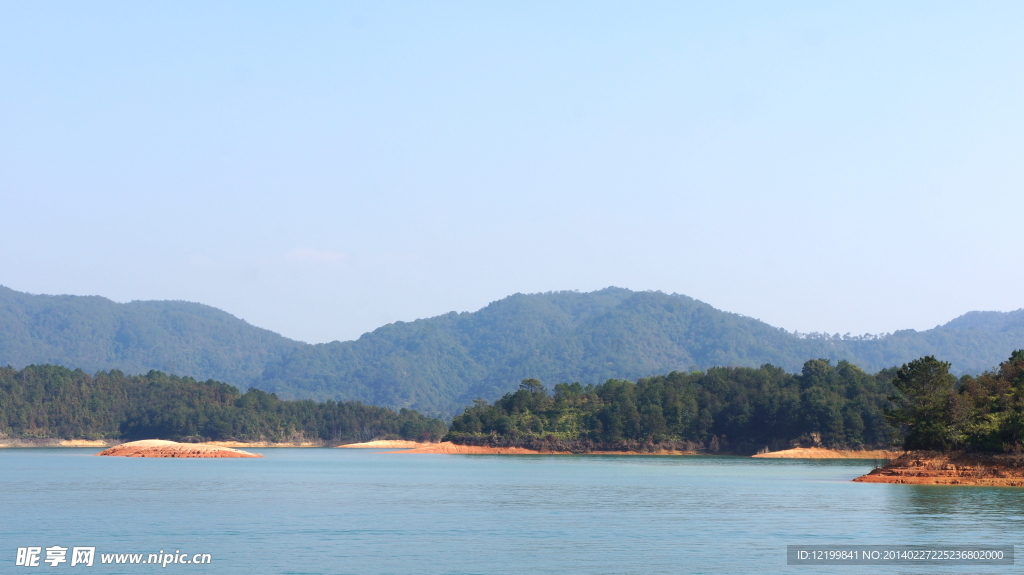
[{"x": 322, "y": 169}]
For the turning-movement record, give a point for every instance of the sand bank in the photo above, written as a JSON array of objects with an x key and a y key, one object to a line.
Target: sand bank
[
  {"x": 940, "y": 468},
  {"x": 161, "y": 448},
  {"x": 387, "y": 444},
  {"x": 823, "y": 453}
]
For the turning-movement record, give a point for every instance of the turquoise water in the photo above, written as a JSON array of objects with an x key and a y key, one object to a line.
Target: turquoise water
[{"x": 341, "y": 511}]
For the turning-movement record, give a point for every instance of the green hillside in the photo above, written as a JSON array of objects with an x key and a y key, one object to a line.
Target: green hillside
[
  {"x": 439, "y": 365},
  {"x": 93, "y": 333}
]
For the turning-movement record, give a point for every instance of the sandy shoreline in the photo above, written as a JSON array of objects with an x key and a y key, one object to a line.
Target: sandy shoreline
[
  {"x": 406, "y": 446},
  {"x": 387, "y": 444},
  {"x": 823, "y": 453}
]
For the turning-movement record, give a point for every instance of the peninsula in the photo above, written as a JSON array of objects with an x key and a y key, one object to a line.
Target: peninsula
[
  {"x": 951, "y": 468},
  {"x": 957, "y": 432}
]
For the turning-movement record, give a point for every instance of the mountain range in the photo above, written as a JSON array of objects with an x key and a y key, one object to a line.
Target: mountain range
[{"x": 439, "y": 365}]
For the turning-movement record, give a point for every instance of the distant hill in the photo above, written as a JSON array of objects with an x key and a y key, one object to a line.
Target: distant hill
[
  {"x": 94, "y": 333},
  {"x": 439, "y": 365}
]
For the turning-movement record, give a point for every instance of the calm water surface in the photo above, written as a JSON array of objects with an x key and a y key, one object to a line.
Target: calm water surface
[{"x": 340, "y": 511}]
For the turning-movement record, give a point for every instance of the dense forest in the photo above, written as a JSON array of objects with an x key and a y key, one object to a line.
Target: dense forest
[
  {"x": 439, "y": 365},
  {"x": 48, "y": 401},
  {"x": 935, "y": 410},
  {"x": 919, "y": 405},
  {"x": 736, "y": 410}
]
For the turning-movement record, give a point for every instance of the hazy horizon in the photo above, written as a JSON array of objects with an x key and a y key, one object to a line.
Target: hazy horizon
[{"x": 323, "y": 169}]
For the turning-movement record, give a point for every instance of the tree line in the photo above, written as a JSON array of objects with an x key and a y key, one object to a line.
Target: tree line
[
  {"x": 742, "y": 410},
  {"x": 733, "y": 409},
  {"x": 50, "y": 401},
  {"x": 935, "y": 410},
  {"x": 919, "y": 405}
]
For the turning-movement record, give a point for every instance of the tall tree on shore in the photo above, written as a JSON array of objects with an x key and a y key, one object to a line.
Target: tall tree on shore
[{"x": 924, "y": 396}]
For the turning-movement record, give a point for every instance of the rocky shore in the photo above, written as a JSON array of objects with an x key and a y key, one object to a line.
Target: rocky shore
[
  {"x": 162, "y": 448},
  {"x": 951, "y": 468}
]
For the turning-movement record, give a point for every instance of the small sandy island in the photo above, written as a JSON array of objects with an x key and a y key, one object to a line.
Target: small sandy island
[
  {"x": 940, "y": 468},
  {"x": 823, "y": 453},
  {"x": 162, "y": 448}
]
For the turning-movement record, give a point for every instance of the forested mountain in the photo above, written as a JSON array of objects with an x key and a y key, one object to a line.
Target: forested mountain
[
  {"x": 439, "y": 365},
  {"x": 50, "y": 401},
  {"x": 94, "y": 333}
]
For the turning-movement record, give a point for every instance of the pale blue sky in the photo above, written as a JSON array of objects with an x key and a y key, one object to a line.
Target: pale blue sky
[{"x": 320, "y": 169}]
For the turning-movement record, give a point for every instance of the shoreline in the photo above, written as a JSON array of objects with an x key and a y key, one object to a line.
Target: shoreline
[
  {"x": 825, "y": 453},
  {"x": 449, "y": 448},
  {"x": 107, "y": 443},
  {"x": 386, "y": 444},
  {"x": 38, "y": 443},
  {"x": 264, "y": 444}
]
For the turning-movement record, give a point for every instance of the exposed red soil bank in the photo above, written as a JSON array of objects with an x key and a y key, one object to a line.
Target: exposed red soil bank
[
  {"x": 161, "y": 448},
  {"x": 956, "y": 468}
]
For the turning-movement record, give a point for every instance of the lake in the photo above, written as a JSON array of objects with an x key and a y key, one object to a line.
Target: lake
[{"x": 341, "y": 511}]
